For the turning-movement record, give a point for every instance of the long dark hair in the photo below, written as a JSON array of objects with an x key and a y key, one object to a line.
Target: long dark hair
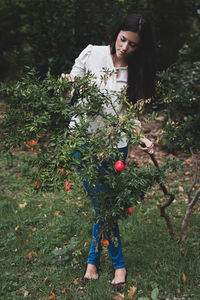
[{"x": 141, "y": 66}]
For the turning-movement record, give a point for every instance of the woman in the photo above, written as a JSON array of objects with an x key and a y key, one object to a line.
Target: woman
[{"x": 130, "y": 55}]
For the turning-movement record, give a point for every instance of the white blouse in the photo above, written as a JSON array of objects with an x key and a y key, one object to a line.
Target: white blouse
[{"x": 95, "y": 59}]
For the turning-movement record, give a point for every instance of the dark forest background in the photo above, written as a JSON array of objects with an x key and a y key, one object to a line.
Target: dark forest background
[{"x": 49, "y": 34}]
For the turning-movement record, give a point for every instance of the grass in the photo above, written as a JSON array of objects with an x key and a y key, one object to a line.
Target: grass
[{"x": 45, "y": 238}]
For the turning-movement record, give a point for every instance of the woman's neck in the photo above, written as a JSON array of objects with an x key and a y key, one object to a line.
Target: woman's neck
[{"x": 117, "y": 62}]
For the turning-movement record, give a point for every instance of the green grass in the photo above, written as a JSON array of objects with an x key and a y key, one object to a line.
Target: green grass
[{"x": 34, "y": 224}]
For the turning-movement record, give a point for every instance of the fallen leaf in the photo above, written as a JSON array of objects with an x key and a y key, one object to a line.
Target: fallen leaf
[
  {"x": 64, "y": 291},
  {"x": 181, "y": 189},
  {"x": 53, "y": 296},
  {"x": 131, "y": 292},
  {"x": 119, "y": 296},
  {"x": 35, "y": 253},
  {"x": 22, "y": 205},
  {"x": 75, "y": 282},
  {"x": 177, "y": 214},
  {"x": 187, "y": 173},
  {"x": 57, "y": 212},
  {"x": 17, "y": 227},
  {"x": 25, "y": 294},
  {"x": 189, "y": 160},
  {"x": 31, "y": 254},
  {"x": 28, "y": 255},
  {"x": 184, "y": 277}
]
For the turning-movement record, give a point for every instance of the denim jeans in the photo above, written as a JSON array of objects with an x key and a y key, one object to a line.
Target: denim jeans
[{"x": 114, "y": 249}]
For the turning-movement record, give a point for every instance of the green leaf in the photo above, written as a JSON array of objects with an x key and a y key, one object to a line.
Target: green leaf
[{"x": 154, "y": 294}]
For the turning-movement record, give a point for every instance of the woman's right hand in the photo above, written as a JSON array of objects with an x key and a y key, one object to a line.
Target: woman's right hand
[{"x": 68, "y": 77}]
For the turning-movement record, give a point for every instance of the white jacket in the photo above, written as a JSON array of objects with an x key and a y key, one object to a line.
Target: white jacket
[{"x": 95, "y": 59}]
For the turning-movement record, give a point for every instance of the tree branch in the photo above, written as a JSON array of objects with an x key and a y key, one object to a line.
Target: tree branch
[
  {"x": 195, "y": 176},
  {"x": 187, "y": 216},
  {"x": 191, "y": 202},
  {"x": 167, "y": 203}
]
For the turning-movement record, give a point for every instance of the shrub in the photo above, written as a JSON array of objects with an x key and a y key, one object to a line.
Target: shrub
[
  {"x": 178, "y": 94},
  {"x": 40, "y": 114}
]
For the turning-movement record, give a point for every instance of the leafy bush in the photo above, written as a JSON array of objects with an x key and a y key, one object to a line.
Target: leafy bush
[
  {"x": 178, "y": 93},
  {"x": 40, "y": 114}
]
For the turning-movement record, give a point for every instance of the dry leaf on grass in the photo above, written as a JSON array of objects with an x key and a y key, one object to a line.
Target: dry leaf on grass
[
  {"x": 57, "y": 212},
  {"x": 131, "y": 292},
  {"x": 31, "y": 254},
  {"x": 25, "y": 294},
  {"x": 181, "y": 189},
  {"x": 22, "y": 205},
  {"x": 64, "y": 291},
  {"x": 119, "y": 296},
  {"x": 17, "y": 227},
  {"x": 75, "y": 282},
  {"x": 53, "y": 296},
  {"x": 189, "y": 161},
  {"x": 184, "y": 277}
]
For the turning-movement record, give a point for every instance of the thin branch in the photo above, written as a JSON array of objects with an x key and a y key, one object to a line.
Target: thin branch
[
  {"x": 187, "y": 216},
  {"x": 164, "y": 215},
  {"x": 195, "y": 176},
  {"x": 167, "y": 203}
]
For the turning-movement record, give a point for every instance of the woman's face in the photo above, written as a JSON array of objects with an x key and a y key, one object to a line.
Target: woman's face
[{"x": 126, "y": 43}]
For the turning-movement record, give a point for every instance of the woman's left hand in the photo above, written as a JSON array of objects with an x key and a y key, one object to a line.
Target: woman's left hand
[{"x": 149, "y": 145}]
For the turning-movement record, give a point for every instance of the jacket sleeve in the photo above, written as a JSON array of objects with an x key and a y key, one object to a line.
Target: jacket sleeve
[{"x": 79, "y": 67}]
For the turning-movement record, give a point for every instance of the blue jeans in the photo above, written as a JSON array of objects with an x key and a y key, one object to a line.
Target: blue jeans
[{"x": 114, "y": 249}]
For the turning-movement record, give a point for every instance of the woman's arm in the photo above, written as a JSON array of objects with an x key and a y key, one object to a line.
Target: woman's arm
[{"x": 79, "y": 67}]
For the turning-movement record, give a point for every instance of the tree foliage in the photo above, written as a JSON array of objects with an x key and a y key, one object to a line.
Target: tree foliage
[
  {"x": 54, "y": 118},
  {"x": 49, "y": 35},
  {"x": 179, "y": 93}
]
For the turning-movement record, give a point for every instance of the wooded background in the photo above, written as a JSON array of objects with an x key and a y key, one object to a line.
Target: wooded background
[{"x": 49, "y": 34}]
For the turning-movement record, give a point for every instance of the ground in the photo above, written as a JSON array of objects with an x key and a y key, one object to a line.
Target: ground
[{"x": 44, "y": 249}]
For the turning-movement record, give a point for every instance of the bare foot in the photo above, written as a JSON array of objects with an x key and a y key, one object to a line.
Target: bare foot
[
  {"x": 91, "y": 272},
  {"x": 120, "y": 276}
]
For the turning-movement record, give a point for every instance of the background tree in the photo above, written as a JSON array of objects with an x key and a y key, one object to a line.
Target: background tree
[{"x": 52, "y": 33}]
